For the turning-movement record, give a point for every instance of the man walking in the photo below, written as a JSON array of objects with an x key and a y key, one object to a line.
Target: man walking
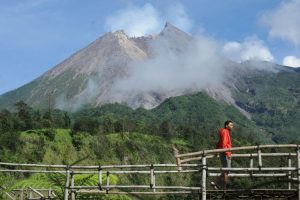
[{"x": 225, "y": 157}]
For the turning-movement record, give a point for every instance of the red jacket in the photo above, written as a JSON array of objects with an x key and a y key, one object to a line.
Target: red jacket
[{"x": 224, "y": 140}]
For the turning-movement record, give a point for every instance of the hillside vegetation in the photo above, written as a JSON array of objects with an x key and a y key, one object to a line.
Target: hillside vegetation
[
  {"x": 273, "y": 100},
  {"x": 117, "y": 134}
]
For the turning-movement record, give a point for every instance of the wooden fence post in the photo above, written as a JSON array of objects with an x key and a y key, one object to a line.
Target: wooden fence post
[
  {"x": 152, "y": 178},
  {"x": 72, "y": 185},
  {"x": 100, "y": 177},
  {"x": 107, "y": 181},
  {"x": 251, "y": 161},
  {"x": 30, "y": 194},
  {"x": 204, "y": 168},
  {"x": 259, "y": 157},
  {"x": 49, "y": 193},
  {"x": 66, "y": 194},
  {"x": 289, "y": 173},
  {"x": 22, "y": 194}
]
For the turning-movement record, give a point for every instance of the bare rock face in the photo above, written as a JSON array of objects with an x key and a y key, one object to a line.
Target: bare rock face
[
  {"x": 87, "y": 77},
  {"x": 111, "y": 50}
]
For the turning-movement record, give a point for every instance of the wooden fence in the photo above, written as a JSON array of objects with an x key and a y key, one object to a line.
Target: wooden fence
[{"x": 204, "y": 163}]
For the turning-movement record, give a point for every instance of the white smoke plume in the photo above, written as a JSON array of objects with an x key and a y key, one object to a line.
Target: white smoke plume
[
  {"x": 146, "y": 20},
  {"x": 177, "y": 15},
  {"x": 291, "y": 61},
  {"x": 249, "y": 49},
  {"x": 199, "y": 66},
  {"x": 136, "y": 21},
  {"x": 176, "y": 66}
]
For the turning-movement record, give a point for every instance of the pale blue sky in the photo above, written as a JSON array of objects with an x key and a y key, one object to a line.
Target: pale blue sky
[{"x": 35, "y": 35}]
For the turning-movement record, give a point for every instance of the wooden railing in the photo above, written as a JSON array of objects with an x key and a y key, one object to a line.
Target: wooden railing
[
  {"x": 29, "y": 193},
  {"x": 187, "y": 163},
  {"x": 251, "y": 171}
]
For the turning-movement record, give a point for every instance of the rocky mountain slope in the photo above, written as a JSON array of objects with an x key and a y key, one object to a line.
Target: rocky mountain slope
[
  {"x": 95, "y": 74},
  {"x": 87, "y": 76}
]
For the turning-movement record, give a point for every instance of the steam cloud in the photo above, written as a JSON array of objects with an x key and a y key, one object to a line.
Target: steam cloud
[
  {"x": 136, "y": 21},
  {"x": 201, "y": 64},
  {"x": 146, "y": 20},
  {"x": 291, "y": 61},
  {"x": 198, "y": 66},
  {"x": 250, "y": 49}
]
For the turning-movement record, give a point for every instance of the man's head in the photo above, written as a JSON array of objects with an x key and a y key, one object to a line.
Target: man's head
[{"x": 228, "y": 124}]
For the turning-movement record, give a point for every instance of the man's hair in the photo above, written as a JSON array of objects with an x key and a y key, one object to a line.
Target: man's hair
[{"x": 227, "y": 122}]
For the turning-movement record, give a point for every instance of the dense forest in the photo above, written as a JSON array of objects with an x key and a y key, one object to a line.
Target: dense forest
[{"x": 117, "y": 134}]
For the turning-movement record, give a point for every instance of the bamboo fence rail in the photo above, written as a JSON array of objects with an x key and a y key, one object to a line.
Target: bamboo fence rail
[
  {"x": 30, "y": 193},
  {"x": 187, "y": 163}
]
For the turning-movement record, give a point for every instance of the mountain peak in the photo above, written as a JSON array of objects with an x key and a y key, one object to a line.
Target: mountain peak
[
  {"x": 171, "y": 30},
  {"x": 169, "y": 25},
  {"x": 119, "y": 33},
  {"x": 113, "y": 38}
]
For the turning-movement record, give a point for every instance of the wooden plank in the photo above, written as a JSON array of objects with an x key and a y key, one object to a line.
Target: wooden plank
[{"x": 66, "y": 193}]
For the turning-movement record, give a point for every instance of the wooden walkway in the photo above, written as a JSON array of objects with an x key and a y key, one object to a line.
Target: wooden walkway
[{"x": 204, "y": 165}]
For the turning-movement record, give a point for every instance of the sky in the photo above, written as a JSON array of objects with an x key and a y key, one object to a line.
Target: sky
[{"x": 35, "y": 35}]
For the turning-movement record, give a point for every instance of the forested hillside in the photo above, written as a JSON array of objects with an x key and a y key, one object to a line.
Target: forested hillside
[
  {"x": 272, "y": 99},
  {"x": 116, "y": 134}
]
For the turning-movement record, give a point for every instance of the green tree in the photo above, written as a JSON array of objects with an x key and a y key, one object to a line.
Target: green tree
[
  {"x": 85, "y": 124},
  {"x": 67, "y": 120},
  {"x": 166, "y": 130},
  {"x": 108, "y": 124},
  {"x": 6, "y": 122},
  {"x": 24, "y": 114},
  {"x": 48, "y": 118}
]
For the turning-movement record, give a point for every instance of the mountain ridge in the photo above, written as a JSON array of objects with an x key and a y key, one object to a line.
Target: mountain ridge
[
  {"x": 89, "y": 76},
  {"x": 92, "y": 69}
]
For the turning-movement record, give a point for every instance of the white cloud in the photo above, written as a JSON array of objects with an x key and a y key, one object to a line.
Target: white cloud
[
  {"x": 284, "y": 22},
  {"x": 250, "y": 49},
  {"x": 145, "y": 20},
  {"x": 291, "y": 61},
  {"x": 178, "y": 16},
  {"x": 198, "y": 66},
  {"x": 195, "y": 68},
  {"x": 136, "y": 21}
]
